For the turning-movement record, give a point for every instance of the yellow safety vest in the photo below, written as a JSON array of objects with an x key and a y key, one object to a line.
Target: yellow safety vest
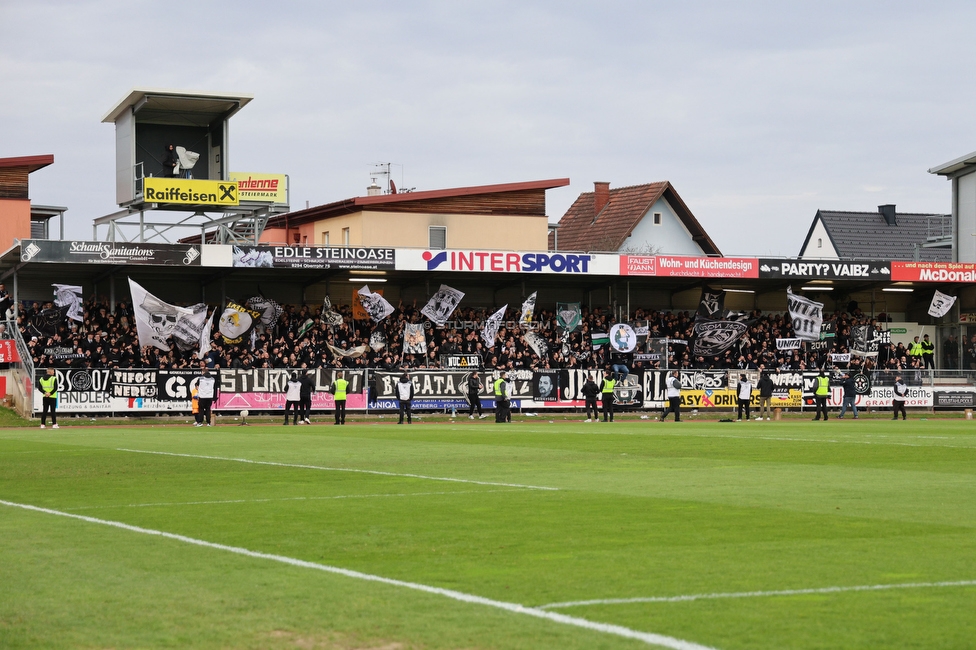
[
  {"x": 823, "y": 386},
  {"x": 340, "y": 389},
  {"x": 49, "y": 385},
  {"x": 498, "y": 387},
  {"x": 608, "y": 385}
]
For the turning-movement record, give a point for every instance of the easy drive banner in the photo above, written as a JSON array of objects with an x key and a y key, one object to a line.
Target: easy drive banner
[{"x": 120, "y": 253}]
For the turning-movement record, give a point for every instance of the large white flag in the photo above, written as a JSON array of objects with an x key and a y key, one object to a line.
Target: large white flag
[
  {"x": 492, "y": 325},
  {"x": 206, "y": 336},
  {"x": 941, "y": 304},
  {"x": 442, "y": 304},
  {"x": 375, "y": 305},
  {"x": 155, "y": 319},
  {"x": 189, "y": 327},
  {"x": 69, "y": 295},
  {"x": 528, "y": 310},
  {"x": 807, "y": 316}
]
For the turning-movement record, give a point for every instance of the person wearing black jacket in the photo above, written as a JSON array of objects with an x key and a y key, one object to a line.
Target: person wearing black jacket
[
  {"x": 474, "y": 396},
  {"x": 850, "y": 395},
  {"x": 305, "y": 403},
  {"x": 765, "y": 387},
  {"x": 590, "y": 390}
]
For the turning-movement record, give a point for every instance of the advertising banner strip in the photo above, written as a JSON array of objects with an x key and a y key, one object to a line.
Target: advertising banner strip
[
  {"x": 480, "y": 261},
  {"x": 314, "y": 257},
  {"x": 261, "y": 187},
  {"x": 948, "y": 272},
  {"x": 826, "y": 269},
  {"x": 120, "y": 253},
  {"x": 183, "y": 191}
]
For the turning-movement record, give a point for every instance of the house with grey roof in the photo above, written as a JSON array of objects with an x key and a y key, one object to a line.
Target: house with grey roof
[{"x": 885, "y": 235}]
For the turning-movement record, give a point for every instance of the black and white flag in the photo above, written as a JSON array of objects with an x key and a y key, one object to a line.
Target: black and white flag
[
  {"x": 714, "y": 337},
  {"x": 69, "y": 295},
  {"x": 206, "y": 336},
  {"x": 711, "y": 305},
  {"x": 806, "y": 314},
  {"x": 155, "y": 319},
  {"x": 270, "y": 309},
  {"x": 837, "y": 357},
  {"x": 331, "y": 317},
  {"x": 492, "y": 324},
  {"x": 374, "y": 304},
  {"x": 528, "y": 310},
  {"x": 377, "y": 339},
  {"x": 538, "y": 344},
  {"x": 442, "y": 304},
  {"x": 941, "y": 304},
  {"x": 189, "y": 327},
  {"x": 414, "y": 340},
  {"x": 863, "y": 341},
  {"x": 236, "y": 322},
  {"x": 788, "y": 344}
]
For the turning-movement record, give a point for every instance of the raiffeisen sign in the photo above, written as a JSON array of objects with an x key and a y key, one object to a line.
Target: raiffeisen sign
[{"x": 479, "y": 261}]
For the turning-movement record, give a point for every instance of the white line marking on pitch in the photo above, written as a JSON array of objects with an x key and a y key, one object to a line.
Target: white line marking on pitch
[
  {"x": 341, "y": 469},
  {"x": 606, "y": 628},
  {"x": 759, "y": 594},
  {"x": 341, "y": 496}
]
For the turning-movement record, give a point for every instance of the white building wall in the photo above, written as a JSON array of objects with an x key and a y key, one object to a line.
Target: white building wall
[
  {"x": 669, "y": 238},
  {"x": 965, "y": 208},
  {"x": 819, "y": 246}
]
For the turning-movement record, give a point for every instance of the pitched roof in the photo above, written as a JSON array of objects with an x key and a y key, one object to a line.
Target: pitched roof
[
  {"x": 525, "y": 199},
  {"x": 580, "y": 231},
  {"x": 867, "y": 235}
]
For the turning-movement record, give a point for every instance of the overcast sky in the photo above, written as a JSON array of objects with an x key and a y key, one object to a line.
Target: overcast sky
[{"x": 759, "y": 113}]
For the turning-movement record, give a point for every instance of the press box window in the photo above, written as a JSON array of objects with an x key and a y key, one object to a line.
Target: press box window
[{"x": 437, "y": 237}]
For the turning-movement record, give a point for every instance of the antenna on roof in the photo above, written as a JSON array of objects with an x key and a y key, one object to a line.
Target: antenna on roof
[{"x": 383, "y": 171}]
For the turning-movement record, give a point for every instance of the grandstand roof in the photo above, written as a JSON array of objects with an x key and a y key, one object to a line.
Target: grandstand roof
[{"x": 583, "y": 228}]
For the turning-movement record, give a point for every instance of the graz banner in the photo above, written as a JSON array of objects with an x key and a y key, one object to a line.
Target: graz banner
[
  {"x": 444, "y": 384},
  {"x": 313, "y": 257},
  {"x": 120, "y": 253},
  {"x": 841, "y": 270}
]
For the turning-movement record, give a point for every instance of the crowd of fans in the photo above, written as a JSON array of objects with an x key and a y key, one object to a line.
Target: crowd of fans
[{"x": 107, "y": 338}]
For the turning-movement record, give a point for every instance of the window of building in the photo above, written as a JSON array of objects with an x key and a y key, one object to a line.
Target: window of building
[
  {"x": 437, "y": 237},
  {"x": 819, "y": 243},
  {"x": 657, "y": 218},
  {"x": 325, "y": 238},
  {"x": 345, "y": 236}
]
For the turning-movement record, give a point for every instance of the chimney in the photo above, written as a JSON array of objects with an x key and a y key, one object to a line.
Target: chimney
[
  {"x": 888, "y": 212},
  {"x": 601, "y": 196},
  {"x": 373, "y": 189}
]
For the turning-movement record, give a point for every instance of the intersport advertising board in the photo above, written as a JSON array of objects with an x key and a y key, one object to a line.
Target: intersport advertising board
[{"x": 484, "y": 261}]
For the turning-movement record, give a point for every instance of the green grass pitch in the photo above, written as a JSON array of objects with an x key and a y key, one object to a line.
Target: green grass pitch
[{"x": 791, "y": 534}]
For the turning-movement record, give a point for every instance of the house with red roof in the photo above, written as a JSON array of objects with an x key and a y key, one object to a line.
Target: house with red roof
[
  {"x": 645, "y": 219},
  {"x": 510, "y": 216}
]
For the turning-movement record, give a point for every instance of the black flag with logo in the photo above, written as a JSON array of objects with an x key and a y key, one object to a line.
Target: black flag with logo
[{"x": 712, "y": 304}]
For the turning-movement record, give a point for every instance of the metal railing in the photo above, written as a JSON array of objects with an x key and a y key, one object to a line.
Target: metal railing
[{"x": 21, "y": 373}]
